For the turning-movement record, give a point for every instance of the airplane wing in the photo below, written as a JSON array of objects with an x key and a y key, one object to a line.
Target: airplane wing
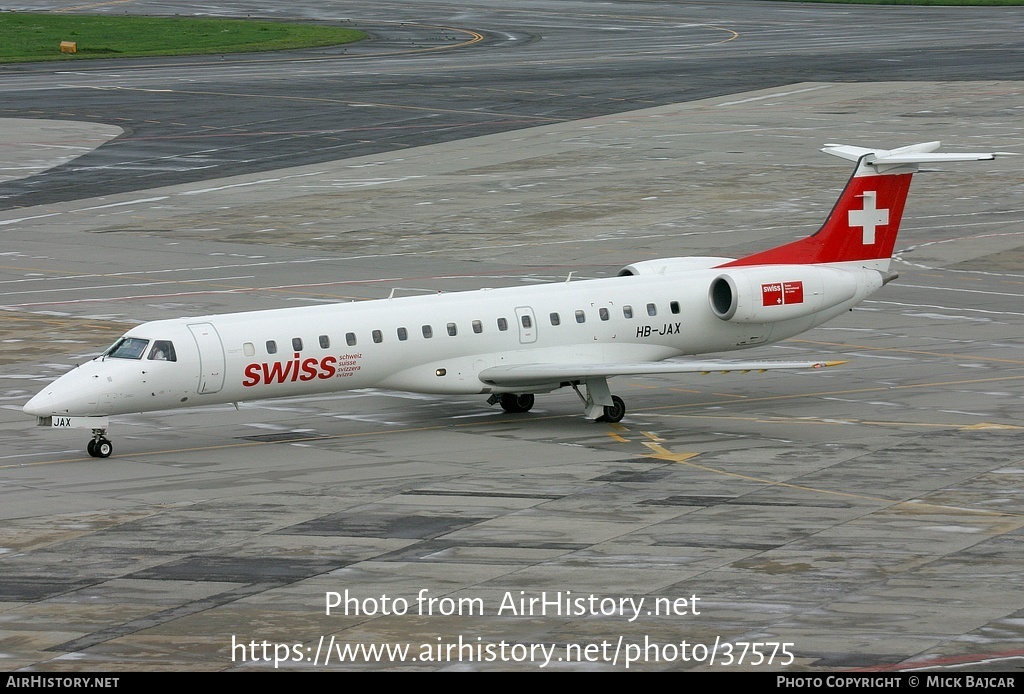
[{"x": 536, "y": 374}]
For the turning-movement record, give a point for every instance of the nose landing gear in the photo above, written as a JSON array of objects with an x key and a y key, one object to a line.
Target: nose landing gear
[{"x": 99, "y": 446}]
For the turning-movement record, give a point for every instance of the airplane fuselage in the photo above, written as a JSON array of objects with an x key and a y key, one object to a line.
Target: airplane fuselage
[{"x": 437, "y": 343}]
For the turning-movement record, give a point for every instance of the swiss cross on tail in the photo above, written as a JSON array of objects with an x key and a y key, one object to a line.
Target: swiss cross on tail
[
  {"x": 869, "y": 218},
  {"x": 863, "y": 225}
]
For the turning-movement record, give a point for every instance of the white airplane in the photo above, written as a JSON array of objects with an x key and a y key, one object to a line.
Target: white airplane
[{"x": 515, "y": 342}]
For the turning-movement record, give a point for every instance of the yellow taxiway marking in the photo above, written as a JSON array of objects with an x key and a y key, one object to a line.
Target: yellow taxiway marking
[
  {"x": 948, "y": 355},
  {"x": 844, "y": 391},
  {"x": 661, "y": 453},
  {"x": 615, "y": 432},
  {"x": 990, "y": 425},
  {"x": 845, "y": 421}
]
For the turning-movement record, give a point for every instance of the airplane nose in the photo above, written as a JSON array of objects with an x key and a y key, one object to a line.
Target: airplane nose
[
  {"x": 78, "y": 393},
  {"x": 40, "y": 406}
]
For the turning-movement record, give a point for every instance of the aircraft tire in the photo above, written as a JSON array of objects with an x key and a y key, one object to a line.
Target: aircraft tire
[
  {"x": 517, "y": 402},
  {"x": 103, "y": 448},
  {"x": 91, "y": 447},
  {"x": 615, "y": 412}
]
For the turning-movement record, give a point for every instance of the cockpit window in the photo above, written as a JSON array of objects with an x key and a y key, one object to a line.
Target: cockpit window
[
  {"x": 127, "y": 348},
  {"x": 163, "y": 350}
]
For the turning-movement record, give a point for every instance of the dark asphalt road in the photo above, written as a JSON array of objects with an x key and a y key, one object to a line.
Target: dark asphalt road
[{"x": 434, "y": 72}]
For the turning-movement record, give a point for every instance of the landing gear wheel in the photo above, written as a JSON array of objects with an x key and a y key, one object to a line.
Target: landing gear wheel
[
  {"x": 513, "y": 402},
  {"x": 615, "y": 412},
  {"x": 99, "y": 447}
]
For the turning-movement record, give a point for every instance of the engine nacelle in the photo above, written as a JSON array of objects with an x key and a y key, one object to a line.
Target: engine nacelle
[
  {"x": 770, "y": 293},
  {"x": 669, "y": 266}
]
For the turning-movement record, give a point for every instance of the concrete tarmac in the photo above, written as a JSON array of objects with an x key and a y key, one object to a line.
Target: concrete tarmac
[{"x": 867, "y": 516}]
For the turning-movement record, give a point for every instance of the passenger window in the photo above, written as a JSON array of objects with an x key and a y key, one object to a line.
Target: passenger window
[
  {"x": 502, "y": 324},
  {"x": 271, "y": 347},
  {"x": 581, "y": 317},
  {"x": 527, "y": 323},
  {"x": 163, "y": 350},
  {"x": 452, "y": 330},
  {"x": 627, "y": 311},
  {"x": 674, "y": 306},
  {"x": 403, "y": 334},
  {"x": 249, "y": 349},
  {"x": 350, "y": 338},
  {"x": 428, "y": 332},
  {"x": 296, "y": 344},
  {"x": 478, "y": 327},
  {"x": 378, "y": 336},
  {"x": 555, "y": 320},
  {"x": 603, "y": 312},
  {"x": 325, "y": 342},
  {"x": 652, "y": 310}
]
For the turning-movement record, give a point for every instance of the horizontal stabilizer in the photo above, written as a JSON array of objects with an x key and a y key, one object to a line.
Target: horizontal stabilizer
[
  {"x": 522, "y": 375},
  {"x": 923, "y": 153}
]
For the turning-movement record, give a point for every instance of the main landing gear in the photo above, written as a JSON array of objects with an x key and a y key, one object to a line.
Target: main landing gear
[
  {"x": 513, "y": 402},
  {"x": 99, "y": 446},
  {"x": 615, "y": 412},
  {"x": 598, "y": 403}
]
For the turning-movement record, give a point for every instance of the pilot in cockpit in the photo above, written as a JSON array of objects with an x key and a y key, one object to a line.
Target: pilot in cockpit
[{"x": 163, "y": 350}]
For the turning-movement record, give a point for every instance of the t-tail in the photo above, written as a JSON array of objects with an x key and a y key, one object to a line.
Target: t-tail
[{"x": 863, "y": 225}]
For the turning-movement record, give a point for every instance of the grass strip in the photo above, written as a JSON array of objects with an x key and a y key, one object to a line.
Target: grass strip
[{"x": 35, "y": 37}]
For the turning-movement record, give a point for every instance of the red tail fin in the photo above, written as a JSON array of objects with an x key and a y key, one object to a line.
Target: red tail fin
[{"x": 866, "y": 219}]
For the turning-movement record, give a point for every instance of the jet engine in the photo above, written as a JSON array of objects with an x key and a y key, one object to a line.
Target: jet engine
[{"x": 769, "y": 293}]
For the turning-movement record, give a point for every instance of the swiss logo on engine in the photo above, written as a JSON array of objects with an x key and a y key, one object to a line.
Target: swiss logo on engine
[{"x": 782, "y": 293}]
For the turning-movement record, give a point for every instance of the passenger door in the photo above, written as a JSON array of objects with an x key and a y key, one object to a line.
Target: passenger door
[{"x": 211, "y": 357}]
